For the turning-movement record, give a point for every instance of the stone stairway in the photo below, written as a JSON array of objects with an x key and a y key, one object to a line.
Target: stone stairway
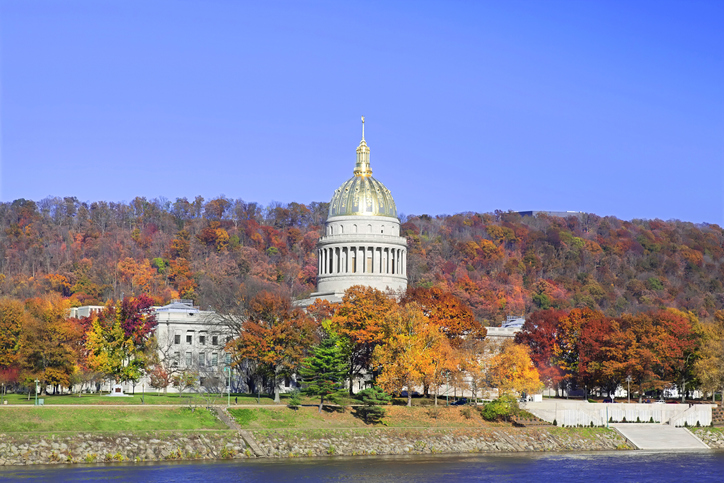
[{"x": 659, "y": 437}]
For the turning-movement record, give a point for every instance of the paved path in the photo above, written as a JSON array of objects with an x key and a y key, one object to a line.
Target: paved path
[{"x": 659, "y": 436}]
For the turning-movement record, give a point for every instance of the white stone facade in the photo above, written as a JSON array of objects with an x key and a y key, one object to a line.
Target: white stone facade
[
  {"x": 189, "y": 338},
  {"x": 361, "y": 250}
]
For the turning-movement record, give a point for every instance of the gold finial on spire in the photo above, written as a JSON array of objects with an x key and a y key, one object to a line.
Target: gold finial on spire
[{"x": 362, "y": 167}]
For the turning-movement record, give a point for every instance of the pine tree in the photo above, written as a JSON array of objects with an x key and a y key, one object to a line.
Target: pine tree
[
  {"x": 373, "y": 398},
  {"x": 324, "y": 371}
]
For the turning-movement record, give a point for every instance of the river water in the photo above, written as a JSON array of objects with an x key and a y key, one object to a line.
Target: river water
[{"x": 633, "y": 466}]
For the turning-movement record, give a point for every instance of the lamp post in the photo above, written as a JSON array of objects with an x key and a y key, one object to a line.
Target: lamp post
[
  {"x": 228, "y": 387},
  {"x": 37, "y": 388},
  {"x": 628, "y": 391}
]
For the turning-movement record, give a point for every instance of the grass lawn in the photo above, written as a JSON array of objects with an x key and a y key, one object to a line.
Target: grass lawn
[
  {"x": 149, "y": 398},
  {"x": 397, "y": 416},
  {"x": 48, "y": 419}
]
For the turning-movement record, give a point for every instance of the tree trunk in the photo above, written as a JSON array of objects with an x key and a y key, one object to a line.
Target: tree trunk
[
  {"x": 351, "y": 382},
  {"x": 409, "y": 398},
  {"x": 277, "y": 397},
  {"x": 321, "y": 403}
]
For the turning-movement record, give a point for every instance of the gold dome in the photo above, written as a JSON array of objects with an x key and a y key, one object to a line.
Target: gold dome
[{"x": 362, "y": 194}]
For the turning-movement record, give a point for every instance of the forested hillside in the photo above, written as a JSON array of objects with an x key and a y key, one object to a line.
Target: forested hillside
[{"x": 212, "y": 251}]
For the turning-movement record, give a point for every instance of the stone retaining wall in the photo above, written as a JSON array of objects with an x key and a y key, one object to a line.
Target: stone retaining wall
[
  {"x": 28, "y": 449},
  {"x": 426, "y": 441}
]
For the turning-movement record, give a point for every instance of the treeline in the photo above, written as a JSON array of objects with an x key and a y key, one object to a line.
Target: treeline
[
  {"x": 428, "y": 339},
  {"x": 497, "y": 263},
  {"x": 648, "y": 351}
]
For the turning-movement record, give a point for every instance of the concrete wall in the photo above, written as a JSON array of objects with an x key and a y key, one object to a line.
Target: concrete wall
[{"x": 574, "y": 413}]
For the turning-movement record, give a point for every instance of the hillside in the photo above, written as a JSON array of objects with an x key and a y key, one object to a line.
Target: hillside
[{"x": 213, "y": 251}]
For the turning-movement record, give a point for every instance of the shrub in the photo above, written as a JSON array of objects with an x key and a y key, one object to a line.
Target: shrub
[
  {"x": 651, "y": 419},
  {"x": 501, "y": 409},
  {"x": 295, "y": 400},
  {"x": 467, "y": 412},
  {"x": 638, "y": 419},
  {"x": 555, "y": 422}
]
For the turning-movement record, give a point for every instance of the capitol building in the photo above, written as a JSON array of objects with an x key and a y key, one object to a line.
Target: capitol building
[{"x": 362, "y": 243}]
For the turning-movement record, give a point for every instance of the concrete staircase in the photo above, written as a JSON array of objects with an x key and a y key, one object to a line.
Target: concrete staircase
[{"x": 659, "y": 437}]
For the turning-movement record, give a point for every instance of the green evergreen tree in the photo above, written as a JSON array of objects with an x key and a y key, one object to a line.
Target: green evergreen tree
[
  {"x": 373, "y": 398},
  {"x": 324, "y": 371}
]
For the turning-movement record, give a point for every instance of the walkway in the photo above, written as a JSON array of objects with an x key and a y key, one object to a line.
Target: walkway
[{"x": 659, "y": 436}]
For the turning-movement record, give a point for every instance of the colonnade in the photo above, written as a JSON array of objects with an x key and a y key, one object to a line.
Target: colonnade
[{"x": 337, "y": 260}]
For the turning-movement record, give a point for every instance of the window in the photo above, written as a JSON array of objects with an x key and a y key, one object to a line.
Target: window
[
  {"x": 202, "y": 339},
  {"x": 214, "y": 340},
  {"x": 214, "y": 359},
  {"x": 202, "y": 359},
  {"x": 177, "y": 339},
  {"x": 227, "y": 359},
  {"x": 188, "y": 359},
  {"x": 189, "y": 338},
  {"x": 176, "y": 358}
]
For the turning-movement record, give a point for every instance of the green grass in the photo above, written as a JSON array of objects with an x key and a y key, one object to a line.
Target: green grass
[
  {"x": 43, "y": 419},
  {"x": 148, "y": 398}
]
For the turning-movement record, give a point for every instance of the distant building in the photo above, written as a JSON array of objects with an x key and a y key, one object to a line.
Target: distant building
[
  {"x": 189, "y": 339},
  {"x": 561, "y": 214}
]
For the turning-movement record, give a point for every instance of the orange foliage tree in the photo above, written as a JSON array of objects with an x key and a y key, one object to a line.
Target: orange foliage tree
[
  {"x": 358, "y": 320},
  {"x": 275, "y": 336}
]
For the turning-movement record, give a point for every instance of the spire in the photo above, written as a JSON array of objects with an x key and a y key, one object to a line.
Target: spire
[{"x": 362, "y": 167}]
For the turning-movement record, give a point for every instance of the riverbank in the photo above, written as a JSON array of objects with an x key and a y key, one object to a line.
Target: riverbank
[{"x": 95, "y": 447}]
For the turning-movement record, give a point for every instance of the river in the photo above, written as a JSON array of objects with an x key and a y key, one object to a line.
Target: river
[{"x": 630, "y": 466}]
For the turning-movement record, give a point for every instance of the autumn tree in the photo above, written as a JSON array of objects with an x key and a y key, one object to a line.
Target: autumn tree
[
  {"x": 540, "y": 333},
  {"x": 512, "y": 371},
  {"x": 276, "y": 337},
  {"x": 447, "y": 311},
  {"x": 407, "y": 355},
  {"x": 120, "y": 341},
  {"x": 12, "y": 317},
  {"x": 47, "y": 340},
  {"x": 359, "y": 322}
]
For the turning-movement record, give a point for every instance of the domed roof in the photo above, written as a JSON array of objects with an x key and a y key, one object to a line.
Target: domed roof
[{"x": 362, "y": 194}]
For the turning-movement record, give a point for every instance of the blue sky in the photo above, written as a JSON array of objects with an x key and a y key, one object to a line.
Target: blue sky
[{"x": 614, "y": 108}]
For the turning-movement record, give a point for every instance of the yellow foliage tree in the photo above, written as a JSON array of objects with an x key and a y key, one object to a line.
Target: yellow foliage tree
[
  {"x": 512, "y": 371},
  {"x": 709, "y": 366},
  {"x": 409, "y": 353}
]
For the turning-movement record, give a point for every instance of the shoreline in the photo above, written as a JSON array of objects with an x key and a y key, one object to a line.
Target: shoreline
[{"x": 24, "y": 449}]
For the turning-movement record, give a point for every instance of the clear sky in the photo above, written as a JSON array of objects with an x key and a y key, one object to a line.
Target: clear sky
[{"x": 609, "y": 107}]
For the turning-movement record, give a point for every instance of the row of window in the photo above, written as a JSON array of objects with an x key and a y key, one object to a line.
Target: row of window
[
  {"x": 202, "y": 339},
  {"x": 202, "y": 359}
]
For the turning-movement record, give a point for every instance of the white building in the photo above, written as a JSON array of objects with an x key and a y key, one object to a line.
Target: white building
[{"x": 190, "y": 338}]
